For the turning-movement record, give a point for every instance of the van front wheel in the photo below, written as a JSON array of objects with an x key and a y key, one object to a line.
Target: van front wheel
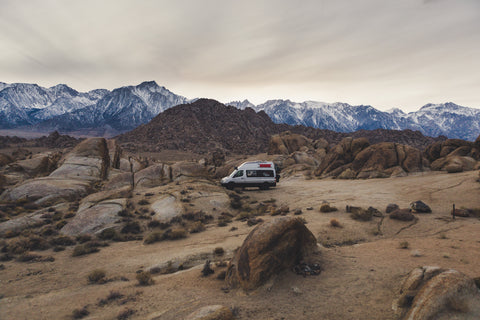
[{"x": 230, "y": 186}]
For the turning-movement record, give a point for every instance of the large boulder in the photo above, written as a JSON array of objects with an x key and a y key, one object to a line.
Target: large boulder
[
  {"x": 84, "y": 166},
  {"x": 153, "y": 176},
  {"x": 388, "y": 155},
  {"x": 95, "y": 219},
  {"x": 340, "y": 156},
  {"x": 435, "y": 293},
  {"x": 287, "y": 143},
  {"x": 186, "y": 170},
  {"x": 420, "y": 207},
  {"x": 89, "y": 160},
  {"x": 270, "y": 248},
  {"x": 166, "y": 207},
  {"x": 454, "y": 164}
]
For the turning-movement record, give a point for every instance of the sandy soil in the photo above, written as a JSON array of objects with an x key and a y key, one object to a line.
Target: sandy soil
[{"x": 359, "y": 281}]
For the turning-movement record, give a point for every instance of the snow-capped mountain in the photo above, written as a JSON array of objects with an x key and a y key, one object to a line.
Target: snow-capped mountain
[
  {"x": 122, "y": 109},
  {"x": 26, "y": 104},
  {"x": 100, "y": 111},
  {"x": 446, "y": 119}
]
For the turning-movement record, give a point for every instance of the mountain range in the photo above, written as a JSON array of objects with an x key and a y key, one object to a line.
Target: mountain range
[{"x": 104, "y": 112}]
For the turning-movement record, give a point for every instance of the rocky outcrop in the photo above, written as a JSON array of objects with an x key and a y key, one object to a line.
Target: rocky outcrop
[
  {"x": 96, "y": 218},
  {"x": 435, "y": 293},
  {"x": 453, "y": 155},
  {"x": 84, "y": 166},
  {"x": 188, "y": 170},
  {"x": 166, "y": 208},
  {"x": 402, "y": 215},
  {"x": 341, "y": 155},
  {"x": 270, "y": 248},
  {"x": 287, "y": 143},
  {"x": 153, "y": 176},
  {"x": 420, "y": 207}
]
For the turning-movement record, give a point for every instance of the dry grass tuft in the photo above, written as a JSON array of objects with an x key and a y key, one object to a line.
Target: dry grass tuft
[{"x": 335, "y": 223}]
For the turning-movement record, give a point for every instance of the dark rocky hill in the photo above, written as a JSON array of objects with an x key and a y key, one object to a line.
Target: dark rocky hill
[{"x": 205, "y": 125}]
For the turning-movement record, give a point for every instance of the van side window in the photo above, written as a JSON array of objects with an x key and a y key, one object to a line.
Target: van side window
[
  {"x": 251, "y": 173},
  {"x": 238, "y": 174}
]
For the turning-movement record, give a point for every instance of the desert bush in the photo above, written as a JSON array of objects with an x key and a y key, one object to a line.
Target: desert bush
[
  {"x": 235, "y": 201},
  {"x": 144, "y": 278},
  {"x": 243, "y": 216},
  {"x": 6, "y": 257},
  {"x": 158, "y": 224},
  {"x": 271, "y": 200},
  {"x": 57, "y": 216},
  {"x": 123, "y": 213},
  {"x": 59, "y": 225},
  {"x": 69, "y": 215},
  {"x": 58, "y": 248},
  {"x": 82, "y": 238},
  {"x": 176, "y": 233},
  {"x": 62, "y": 241},
  {"x": 325, "y": 207},
  {"x": 197, "y": 227},
  {"x": 224, "y": 221},
  {"x": 335, "y": 223},
  {"x": 132, "y": 227},
  {"x": 11, "y": 234},
  {"x": 125, "y": 314},
  {"x": 80, "y": 313},
  {"x": 153, "y": 237},
  {"x": 28, "y": 257},
  {"x": 97, "y": 276},
  {"x": 143, "y": 202},
  {"x": 107, "y": 234},
  {"x": 442, "y": 236},
  {"x": 361, "y": 214},
  {"x": 112, "y": 296},
  {"x": 219, "y": 251},
  {"x": 88, "y": 248},
  {"x": 404, "y": 245},
  {"x": 48, "y": 231}
]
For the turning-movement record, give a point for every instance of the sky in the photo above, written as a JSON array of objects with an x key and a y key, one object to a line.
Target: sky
[{"x": 385, "y": 53}]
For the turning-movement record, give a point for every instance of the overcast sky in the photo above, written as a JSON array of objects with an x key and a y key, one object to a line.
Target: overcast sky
[{"x": 386, "y": 53}]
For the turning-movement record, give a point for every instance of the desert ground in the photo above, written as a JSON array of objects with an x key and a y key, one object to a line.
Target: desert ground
[{"x": 363, "y": 263}]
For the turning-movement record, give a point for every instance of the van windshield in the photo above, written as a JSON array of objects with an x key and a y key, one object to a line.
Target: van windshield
[{"x": 237, "y": 173}]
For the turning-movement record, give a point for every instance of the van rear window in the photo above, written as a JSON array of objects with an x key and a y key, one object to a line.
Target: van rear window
[{"x": 260, "y": 173}]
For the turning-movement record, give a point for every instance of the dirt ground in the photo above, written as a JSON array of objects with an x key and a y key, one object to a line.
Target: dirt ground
[{"x": 363, "y": 262}]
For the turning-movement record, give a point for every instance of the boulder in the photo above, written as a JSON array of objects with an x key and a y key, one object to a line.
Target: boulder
[
  {"x": 402, "y": 215},
  {"x": 454, "y": 164},
  {"x": 287, "y": 143},
  {"x": 342, "y": 154},
  {"x": 46, "y": 191},
  {"x": 420, "y": 207},
  {"x": 214, "y": 312},
  {"x": 382, "y": 156},
  {"x": 84, "y": 166},
  {"x": 153, "y": 176},
  {"x": 95, "y": 219},
  {"x": 391, "y": 207},
  {"x": 187, "y": 170},
  {"x": 38, "y": 165},
  {"x": 89, "y": 160},
  {"x": 444, "y": 294},
  {"x": 166, "y": 208},
  {"x": 119, "y": 180},
  {"x": 270, "y": 248}
]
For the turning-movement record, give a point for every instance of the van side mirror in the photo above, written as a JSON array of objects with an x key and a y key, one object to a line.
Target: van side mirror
[{"x": 236, "y": 168}]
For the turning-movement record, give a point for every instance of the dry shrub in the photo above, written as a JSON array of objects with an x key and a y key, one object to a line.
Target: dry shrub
[
  {"x": 219, "y": 251},
  {"x": 107, "y": 234},
  {"x": 82, "y": 238},
  {"x": 176, "y": 233},
  {"x": 335, "y": 223},
  {"x": 404, "y": 245},
  {"x": 62, "y": 241},
  {"x": 125, "y": 314},
  {"x": 97, "y": 276},
  {"x": 144, "y": 278},
  {"x": 361, "y": 214},
  {"x": 80, "y": 313},
  {"x": 143, "y": 202},
  {"x": 112, "y": 296},
  {"x": 153, "y": 237},
  {"x": 197, "y": 227},
  {"x": 132, "y": 227},
  {"x": 29, "y": 257},
  {"x": 88, "y": 248},
  {"x": 326, "y": 207}
]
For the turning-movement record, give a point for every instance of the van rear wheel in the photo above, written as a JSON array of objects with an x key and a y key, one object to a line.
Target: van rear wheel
[{"x": 264, "y": 186}]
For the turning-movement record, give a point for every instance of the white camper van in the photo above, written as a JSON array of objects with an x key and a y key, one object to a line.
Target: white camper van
[{"x": 260, "y": 174}]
